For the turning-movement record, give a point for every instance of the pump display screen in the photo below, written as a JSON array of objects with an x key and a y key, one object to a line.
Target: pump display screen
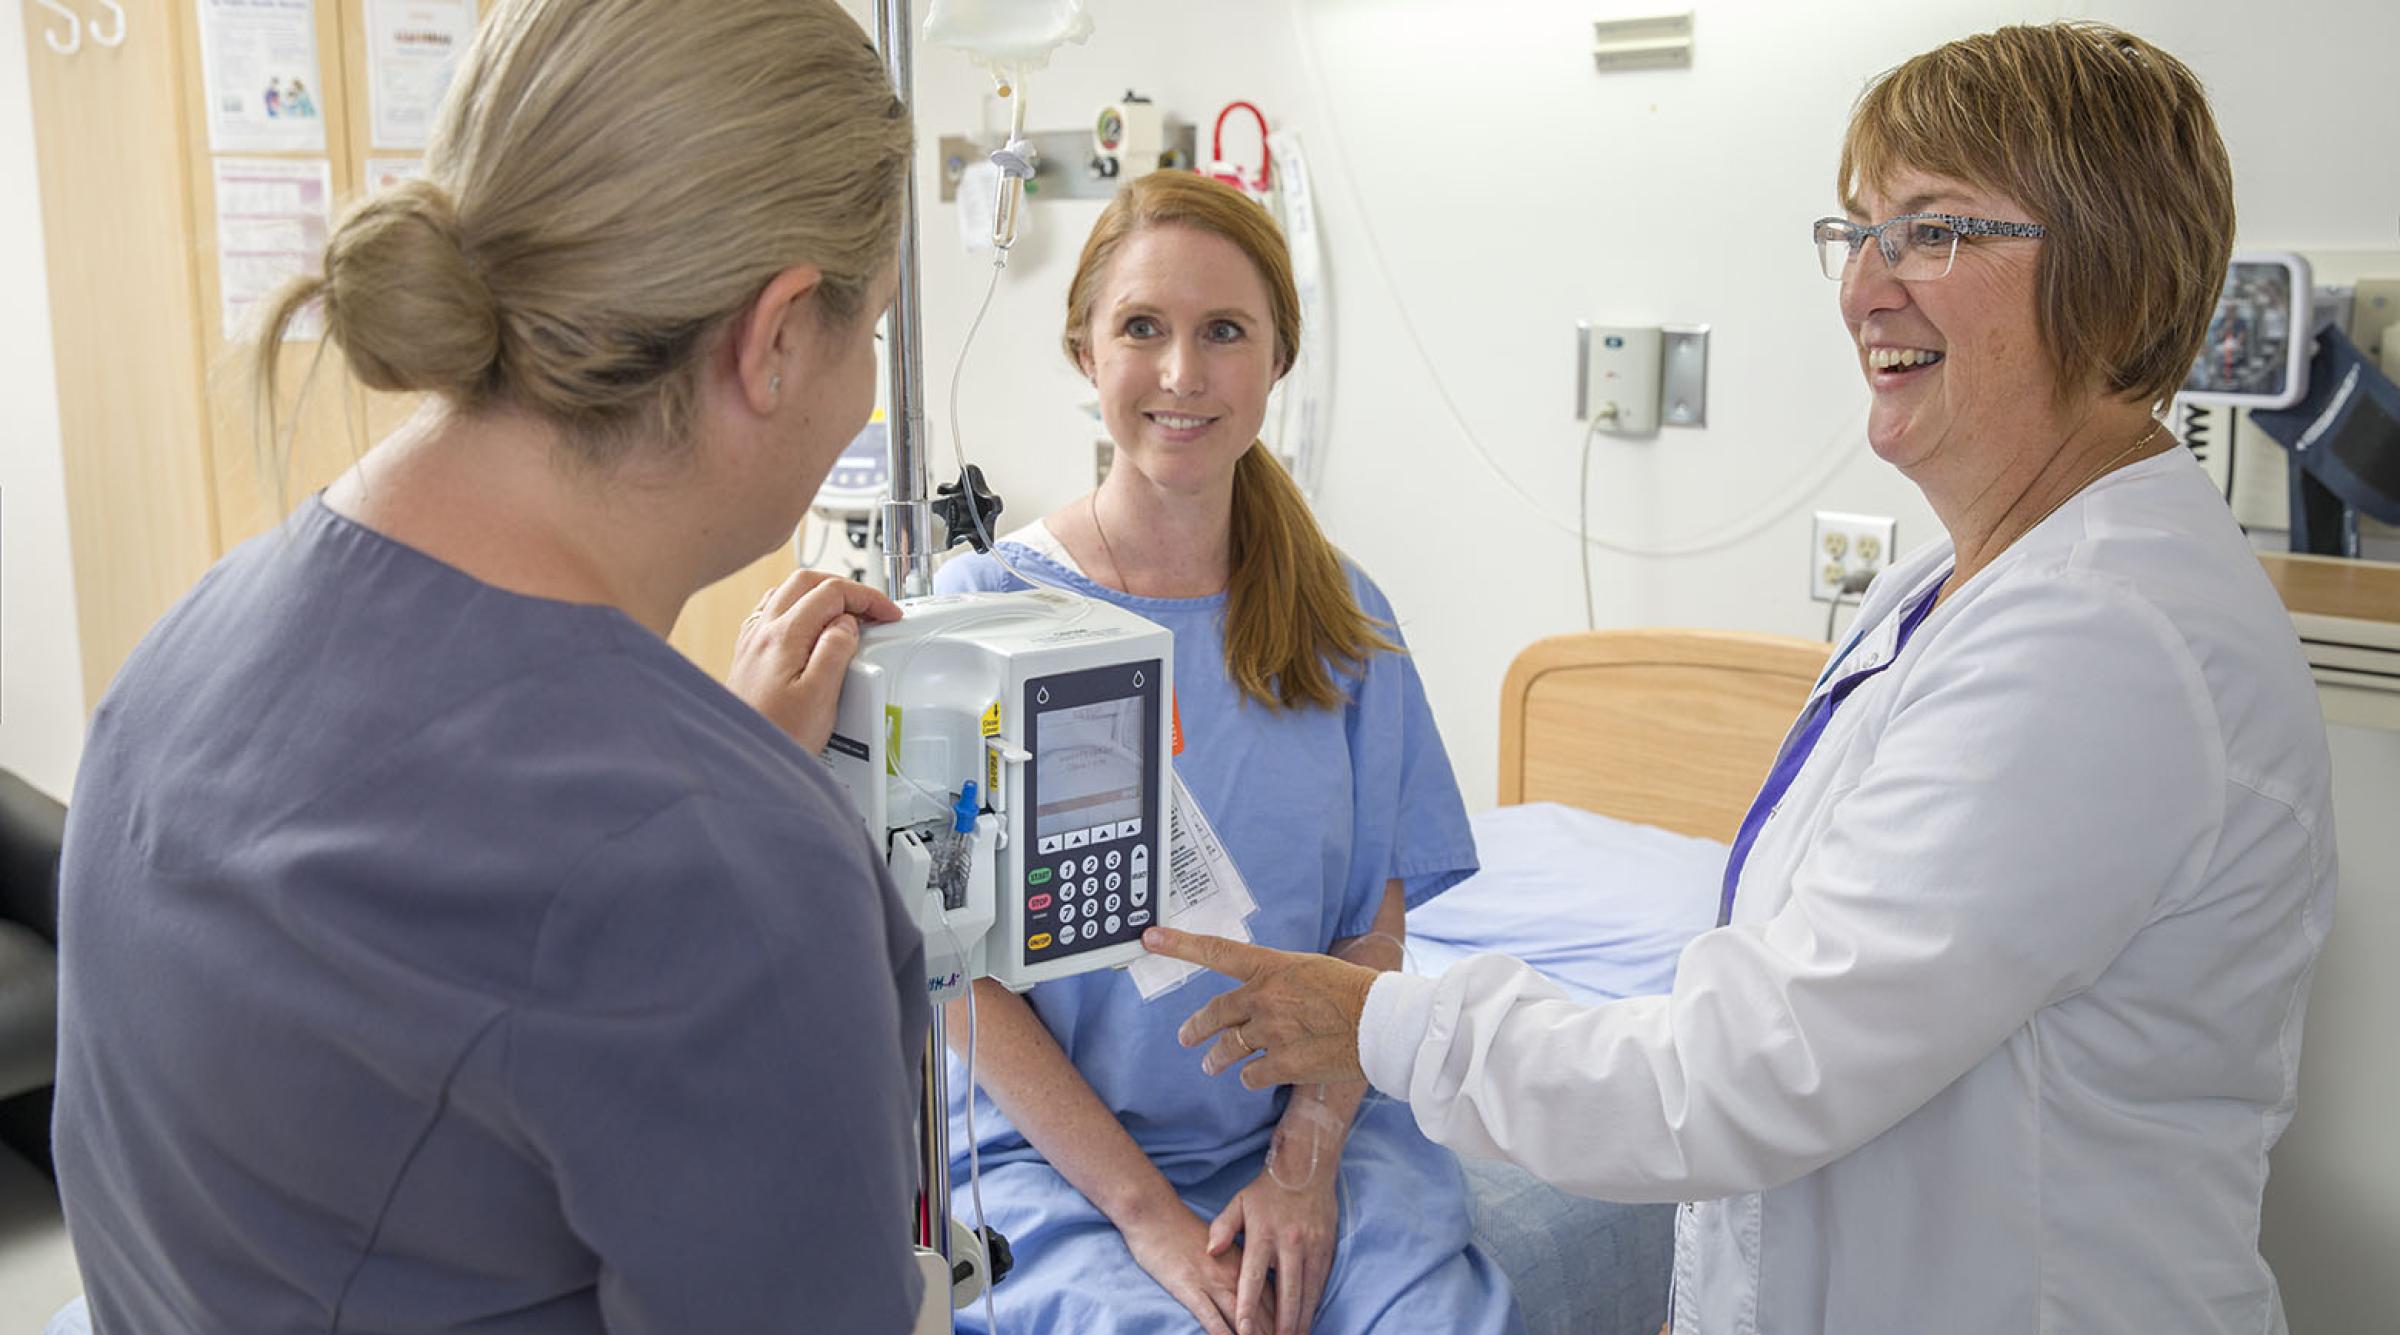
[
  {"x": 1091, "y": 762},
  {"x": 1094, "y": 790}
]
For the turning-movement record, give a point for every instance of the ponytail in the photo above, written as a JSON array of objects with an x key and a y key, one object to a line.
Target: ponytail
[{"x": 1291, "y": 621}]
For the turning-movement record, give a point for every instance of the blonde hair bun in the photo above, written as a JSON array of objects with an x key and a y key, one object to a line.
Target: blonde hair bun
[
  {"x": 609, "y": 183},
  {"x": 405, "y": 300}
]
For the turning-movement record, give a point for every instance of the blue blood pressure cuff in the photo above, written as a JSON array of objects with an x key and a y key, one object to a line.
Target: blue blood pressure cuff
[{"x": 2344, "y": 437}]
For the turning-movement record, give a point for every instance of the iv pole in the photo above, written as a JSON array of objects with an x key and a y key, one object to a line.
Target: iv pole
[
  {"x": 908, "y": 573},
  {"x": 907, "y": 516}
]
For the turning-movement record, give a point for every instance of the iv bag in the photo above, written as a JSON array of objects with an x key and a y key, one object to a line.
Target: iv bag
[{"x": 1013, "y": 35}]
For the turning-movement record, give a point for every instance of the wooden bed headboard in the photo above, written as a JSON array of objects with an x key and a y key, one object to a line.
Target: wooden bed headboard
[{"x": 1673, "y": 728}]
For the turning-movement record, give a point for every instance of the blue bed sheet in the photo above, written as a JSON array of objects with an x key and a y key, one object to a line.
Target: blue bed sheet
[{"x": 1601, "y": 905}]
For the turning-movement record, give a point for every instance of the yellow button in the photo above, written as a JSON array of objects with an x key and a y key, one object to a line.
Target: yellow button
[{"x": 1038, "y": 941}]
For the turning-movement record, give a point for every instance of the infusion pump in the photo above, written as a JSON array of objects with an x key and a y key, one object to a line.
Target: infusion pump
[{"x": 1037, "y": 723}]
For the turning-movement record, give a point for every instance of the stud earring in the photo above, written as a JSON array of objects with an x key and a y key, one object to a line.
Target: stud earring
[{"x": 775, "y": 383}]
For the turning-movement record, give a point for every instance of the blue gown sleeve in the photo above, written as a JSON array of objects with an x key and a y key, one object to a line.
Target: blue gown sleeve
[
  {"x": 1408, "y": 821},
  {"x": 974, "y": 572}
]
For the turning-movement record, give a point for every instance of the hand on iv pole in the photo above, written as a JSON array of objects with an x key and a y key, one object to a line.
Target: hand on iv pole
[
  {"x": 1299, "y": 1013},
  {"x": 791, "y": 652}
]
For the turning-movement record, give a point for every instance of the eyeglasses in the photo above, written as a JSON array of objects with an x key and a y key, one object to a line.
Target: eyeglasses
[{"x": 1917, "y": 246}]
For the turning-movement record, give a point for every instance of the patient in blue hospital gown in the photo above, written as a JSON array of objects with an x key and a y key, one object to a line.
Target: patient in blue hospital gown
[{"x": 1319, "y": 809}]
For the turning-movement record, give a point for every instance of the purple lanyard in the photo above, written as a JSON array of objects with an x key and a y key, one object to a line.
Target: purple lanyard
[{"x": 1799, "y": 743}]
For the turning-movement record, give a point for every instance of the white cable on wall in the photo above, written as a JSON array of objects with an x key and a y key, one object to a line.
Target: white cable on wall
[{"x": 1836, "y": 453}]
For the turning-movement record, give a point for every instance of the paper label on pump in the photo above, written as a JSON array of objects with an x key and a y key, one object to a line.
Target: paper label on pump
[
  {"x": 1203, "y": 892},
  {"x": 991, "y": 758}
]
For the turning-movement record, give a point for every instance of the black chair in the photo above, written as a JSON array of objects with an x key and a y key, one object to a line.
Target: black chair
[{"x": 31, "y": 824}]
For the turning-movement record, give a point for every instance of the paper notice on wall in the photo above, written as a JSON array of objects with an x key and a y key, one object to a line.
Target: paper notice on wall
[
  {"x": 258, "y": 61},
  {"x": 384, "y": 173},
  {"x": 413, "y": 47},
  {"x": 273, "y": 215},
  {"x": 1202, "y": 892}
]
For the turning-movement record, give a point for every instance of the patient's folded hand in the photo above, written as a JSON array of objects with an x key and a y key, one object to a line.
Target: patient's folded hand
[
  {"x": 1290, "y": 1231},
  {"x": 1173, "y": 1246}
]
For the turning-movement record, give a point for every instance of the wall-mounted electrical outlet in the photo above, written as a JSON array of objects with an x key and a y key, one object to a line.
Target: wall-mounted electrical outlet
[{"x": 1842, "y": 545}]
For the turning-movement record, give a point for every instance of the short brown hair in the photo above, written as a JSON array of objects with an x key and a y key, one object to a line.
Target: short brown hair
[
  {"x": 2108, "y": 141},
  {"x": 1290, "y": 619}
]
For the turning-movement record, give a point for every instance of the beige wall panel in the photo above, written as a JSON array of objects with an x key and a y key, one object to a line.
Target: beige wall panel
[
  {"x": 713, "y": 616},
  {"x": 124, "y": 310}
]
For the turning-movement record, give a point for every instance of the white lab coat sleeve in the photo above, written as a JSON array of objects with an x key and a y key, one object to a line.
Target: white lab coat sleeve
[{"x": 2049, "y": 773}]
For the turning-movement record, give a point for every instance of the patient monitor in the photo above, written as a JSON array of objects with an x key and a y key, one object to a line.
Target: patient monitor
[
  {"x": 1049, "y": 715},
  {"x": 2260, "y": 339}
]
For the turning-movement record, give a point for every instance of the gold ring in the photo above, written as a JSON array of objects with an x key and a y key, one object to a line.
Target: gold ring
[{"x": 1243, "y": 1039}]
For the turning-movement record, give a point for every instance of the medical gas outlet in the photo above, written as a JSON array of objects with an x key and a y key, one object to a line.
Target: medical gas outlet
[
  {"x": 1846, "y": 550},
  {"x": 1127, "y": 131}
]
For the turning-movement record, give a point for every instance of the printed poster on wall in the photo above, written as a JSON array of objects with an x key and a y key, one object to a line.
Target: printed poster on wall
[
  {"x": 273, "y": 216},
  {"x": 258, "y": 62},
  {"x": 384, "y": 173},
  {"x": 413, "y": 47}
]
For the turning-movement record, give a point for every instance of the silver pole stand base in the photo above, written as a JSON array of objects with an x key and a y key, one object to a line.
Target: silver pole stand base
[{"x": 952, "y": 1284}]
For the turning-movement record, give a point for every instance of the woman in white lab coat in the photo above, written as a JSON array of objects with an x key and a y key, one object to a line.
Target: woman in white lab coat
[{"x": 2006, "y": 1011}]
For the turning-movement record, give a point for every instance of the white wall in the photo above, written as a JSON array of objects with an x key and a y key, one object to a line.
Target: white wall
[
  {"x": 2332, "y": 1227},
  {"x": 1482, "y": 189},
  {"x": 41, "y": 666}
]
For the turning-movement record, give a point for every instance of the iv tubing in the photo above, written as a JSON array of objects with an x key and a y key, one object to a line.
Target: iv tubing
[
  {"x": 991, "y": 1322},
  {"x": 1311, "y": 1106},
  {"x": 958, "y": 453},
  {"x": 1014, "y": 161}
]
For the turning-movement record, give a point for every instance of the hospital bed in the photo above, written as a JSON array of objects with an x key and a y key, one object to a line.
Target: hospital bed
[{"x": 1627, "y": 758}]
